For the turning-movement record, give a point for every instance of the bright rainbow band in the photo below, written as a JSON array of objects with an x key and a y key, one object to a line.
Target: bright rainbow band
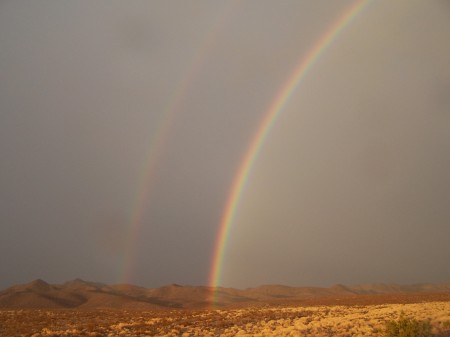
[{"x": 270, "y": 117}]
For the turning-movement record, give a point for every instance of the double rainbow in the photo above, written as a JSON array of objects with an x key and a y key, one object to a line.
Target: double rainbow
[{"x": 305, "y": 64}]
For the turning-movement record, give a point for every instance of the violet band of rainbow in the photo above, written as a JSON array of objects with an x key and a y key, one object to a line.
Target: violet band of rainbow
[{"x": 276, "y": 107}]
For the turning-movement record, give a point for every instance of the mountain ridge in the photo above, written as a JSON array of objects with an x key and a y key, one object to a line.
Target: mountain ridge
[{"x": 80, "y": 294}]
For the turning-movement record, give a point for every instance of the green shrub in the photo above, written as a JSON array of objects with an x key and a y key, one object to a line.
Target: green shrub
[{"x": 406, "y": 327}]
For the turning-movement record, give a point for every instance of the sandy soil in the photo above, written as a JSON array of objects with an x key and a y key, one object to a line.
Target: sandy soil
[{"x": 332, "y": 320}]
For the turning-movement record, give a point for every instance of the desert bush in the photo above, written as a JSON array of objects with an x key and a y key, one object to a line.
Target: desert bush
[
  {"x": 444, "y": 329},
  {"x": 407, "y": 327}
]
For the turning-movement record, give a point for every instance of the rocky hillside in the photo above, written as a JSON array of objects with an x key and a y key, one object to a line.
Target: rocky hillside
[{"x": 91, "y": 295}]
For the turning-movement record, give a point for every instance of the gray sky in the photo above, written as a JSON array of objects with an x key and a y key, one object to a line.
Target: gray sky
[{"x": 351, "y": 186}]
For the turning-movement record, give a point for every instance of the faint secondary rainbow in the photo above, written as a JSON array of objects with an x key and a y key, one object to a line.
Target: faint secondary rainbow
[
  {"x": 276, "y": 107},
  {"x": 157, "y": 145}
]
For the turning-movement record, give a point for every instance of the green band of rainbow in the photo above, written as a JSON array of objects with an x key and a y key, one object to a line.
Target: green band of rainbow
[{"x": 270, "y": 117}]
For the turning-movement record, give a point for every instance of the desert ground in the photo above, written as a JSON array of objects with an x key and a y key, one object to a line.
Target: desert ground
[
  {"x": 81, "y": 308},
  {"x": 324, "y": 320}
]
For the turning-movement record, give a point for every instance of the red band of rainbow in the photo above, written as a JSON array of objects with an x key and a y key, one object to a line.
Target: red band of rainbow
[{"x": 305, "y": 64}]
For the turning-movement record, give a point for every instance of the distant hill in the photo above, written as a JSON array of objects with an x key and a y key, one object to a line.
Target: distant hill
[{"x": 91, "y": 295}]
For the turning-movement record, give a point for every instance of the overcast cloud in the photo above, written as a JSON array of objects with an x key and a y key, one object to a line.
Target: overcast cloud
[{"x": 351, "y": 186}]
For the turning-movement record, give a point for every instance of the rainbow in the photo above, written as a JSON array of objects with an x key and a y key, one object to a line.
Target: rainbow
[
  {"x": 154, "y": 154},
  {"x": 281, "y": 99},
  {"x": 159, "y": 139}
]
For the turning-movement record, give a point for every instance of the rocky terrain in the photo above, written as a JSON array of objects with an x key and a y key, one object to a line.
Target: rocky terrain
[
  {"x": 80, "y": 308},
  {"x": 319, "y": 321}
]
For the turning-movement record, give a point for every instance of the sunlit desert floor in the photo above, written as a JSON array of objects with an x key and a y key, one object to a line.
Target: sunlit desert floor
[{"x": 364, "y": 320}]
